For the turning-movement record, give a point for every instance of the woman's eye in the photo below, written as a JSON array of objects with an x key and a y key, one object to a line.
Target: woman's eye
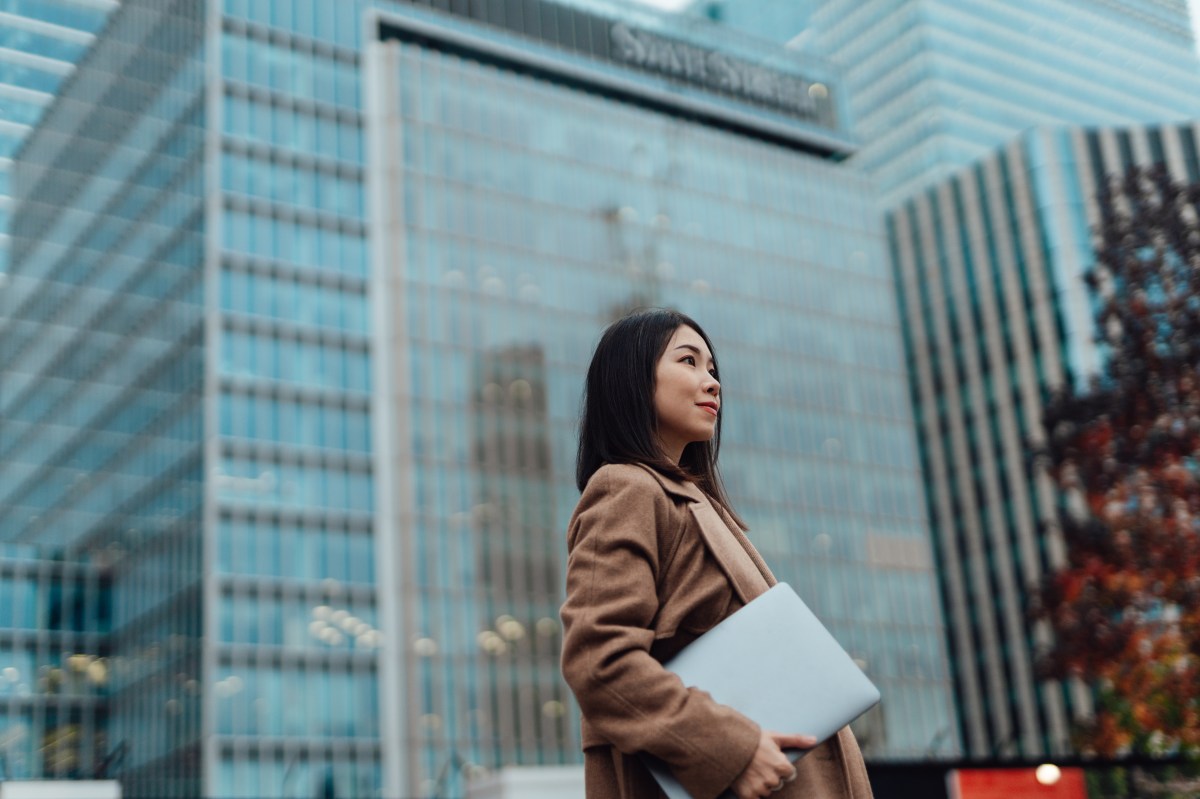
[
  {"x": 688, "y": 359},
  {"x": 713, "y": 372}
]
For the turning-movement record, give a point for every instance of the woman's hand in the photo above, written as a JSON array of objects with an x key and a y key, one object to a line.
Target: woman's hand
[{"x": 770, "y": 769}]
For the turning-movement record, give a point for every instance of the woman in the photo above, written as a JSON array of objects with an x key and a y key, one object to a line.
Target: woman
[{"x": 656, "y": 558}]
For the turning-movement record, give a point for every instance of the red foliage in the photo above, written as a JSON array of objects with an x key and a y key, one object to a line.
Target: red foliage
[{"x": 1125, "y": 455}]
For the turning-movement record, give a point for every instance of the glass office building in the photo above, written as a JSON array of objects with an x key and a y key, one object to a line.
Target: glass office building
[
  {"x": 54, "y": 614},
  {"x": 40, "y": 41},
  {"x": 102, "y": 352},
  {"x": 934, "y": 85},
  {"x": 996, "y": 315},
  {"x": 939, "y": 94},
  {"x": 301, "y": 300}
]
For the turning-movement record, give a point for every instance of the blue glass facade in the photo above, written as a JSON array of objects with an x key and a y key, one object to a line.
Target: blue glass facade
[
  {"x": 40, "y": 41},
  {"x": 293, "y": 532},
  {"x": 57, "y": 653},
  {"x": 301, "y": 315},
  {"x": 934, "y": 85},
  {"x": 53, "y": 670},
  {"x": 103, "y": 351},
  {"x": 511, "y": 227},
  {"x": 990, "y": 231},
  {"x": 957, "y": 80}
]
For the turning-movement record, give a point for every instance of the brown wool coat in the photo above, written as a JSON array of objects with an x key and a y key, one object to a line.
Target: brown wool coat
[{"x": 652, "y": 565}]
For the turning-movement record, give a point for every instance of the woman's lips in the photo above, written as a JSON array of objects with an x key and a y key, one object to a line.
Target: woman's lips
[{"x": 708, "y": 407}]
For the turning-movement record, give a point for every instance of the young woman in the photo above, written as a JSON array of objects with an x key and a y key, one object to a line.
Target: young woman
[{"x": 656, "y": 558}]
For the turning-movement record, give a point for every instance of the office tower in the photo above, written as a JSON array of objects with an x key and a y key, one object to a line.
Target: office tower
[
  {"x": 935, "y": 89},
  {"x": 934, "y": 85},
  {"x": 103, "y": 362},
  {"x": 776, "y": 21},
  {"x": 53, "y": 613},
  {"x": 996, "y": 315},
  {"x": 302, "y": 299},
  {"x": 40, "y": 41}
]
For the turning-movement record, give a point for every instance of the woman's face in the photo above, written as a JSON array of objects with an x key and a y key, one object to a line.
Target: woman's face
[{"x": 686, "y": 393}]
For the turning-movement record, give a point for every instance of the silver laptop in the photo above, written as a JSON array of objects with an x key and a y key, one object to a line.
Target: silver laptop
[{"x": 774, "y": 662}]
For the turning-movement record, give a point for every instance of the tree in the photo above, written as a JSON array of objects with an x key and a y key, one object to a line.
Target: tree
[{"x": 1125, "y": 455}]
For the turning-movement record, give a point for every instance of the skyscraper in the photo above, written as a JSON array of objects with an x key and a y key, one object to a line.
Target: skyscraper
[
  {"x": 40, "y": 41},
  {"x": 301, "y": 302},
  {"x": 103, "y": 361},
  {"x": 996, "y": 315},
  {"x": 53, "y": 613},
  {"x": 935, "y": 85}
]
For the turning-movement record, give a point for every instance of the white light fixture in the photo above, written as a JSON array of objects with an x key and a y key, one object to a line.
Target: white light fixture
[{"x": 1048, "y": 774}]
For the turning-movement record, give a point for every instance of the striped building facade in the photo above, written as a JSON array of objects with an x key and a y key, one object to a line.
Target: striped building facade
[
  {"x": 936, "y": 84},
  {"x": 54, "y": 612},
  {"x": 40, "y": 42},
  {"x": 989, "y": 266}
]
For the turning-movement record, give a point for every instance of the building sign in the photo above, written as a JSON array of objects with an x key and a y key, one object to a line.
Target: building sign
[
  {"x": 717, "y": 71},
  {"x": 727, "y": 90},
  {"x": 1014, "y": 783}
]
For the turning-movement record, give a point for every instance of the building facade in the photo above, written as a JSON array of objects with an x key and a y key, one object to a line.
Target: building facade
[
  {"x": 101, "y": 394},
  {"x": 54, "y": 614},
  {"x": 301, "y": 301},
  {"x": 990, "y": 265},
  {"x": 40, "y": 41},
  {"x": 936, "y": 84},
  {"x": 988, "y": 255}
]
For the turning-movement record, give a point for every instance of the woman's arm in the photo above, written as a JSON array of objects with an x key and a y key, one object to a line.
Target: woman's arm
[{"x": 625, "y": 694}]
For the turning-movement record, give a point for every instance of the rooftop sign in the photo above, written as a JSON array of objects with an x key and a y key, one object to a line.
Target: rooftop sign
[
  {"x": 721, "y": 73},
  {"x": 652, "y": 68}
]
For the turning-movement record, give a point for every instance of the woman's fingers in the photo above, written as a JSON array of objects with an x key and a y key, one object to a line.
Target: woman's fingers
[
  {"x": 770, "y": 769},
  {"x": 790, "y": 741}
]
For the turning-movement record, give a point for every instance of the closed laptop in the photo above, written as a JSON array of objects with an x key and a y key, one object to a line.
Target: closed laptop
[{"x": 774, "y": 662}]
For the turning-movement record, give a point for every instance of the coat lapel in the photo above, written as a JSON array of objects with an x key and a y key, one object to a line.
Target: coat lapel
[
  {"x": 730, "y": 548},
  {"x": 739, "y": 533},
  {"x": 734, "y": 560}
]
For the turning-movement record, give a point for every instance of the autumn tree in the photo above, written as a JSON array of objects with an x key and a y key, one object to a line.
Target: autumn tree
[{"x": 1125, "y": 455}]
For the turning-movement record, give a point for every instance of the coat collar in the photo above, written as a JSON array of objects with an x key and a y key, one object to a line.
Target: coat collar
[
  {"x": 733, "y": 552},
  {"x": 680, "y": 488}
]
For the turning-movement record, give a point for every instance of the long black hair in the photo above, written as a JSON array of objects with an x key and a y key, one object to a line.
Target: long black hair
[{"x": 618, "y": 423}]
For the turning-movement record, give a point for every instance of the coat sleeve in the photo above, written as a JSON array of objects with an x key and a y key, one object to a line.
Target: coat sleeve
[{"x": 624, "y": 693}]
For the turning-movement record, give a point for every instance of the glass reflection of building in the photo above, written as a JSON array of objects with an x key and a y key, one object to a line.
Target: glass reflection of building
[{"x": 301, "y": 300}]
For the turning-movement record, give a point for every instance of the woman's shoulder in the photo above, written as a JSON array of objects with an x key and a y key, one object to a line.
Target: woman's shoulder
[
  {"x": 628, "y": 493},
  {"x": 631, "y": 482},
  {"x": 619, "y": 474}
]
